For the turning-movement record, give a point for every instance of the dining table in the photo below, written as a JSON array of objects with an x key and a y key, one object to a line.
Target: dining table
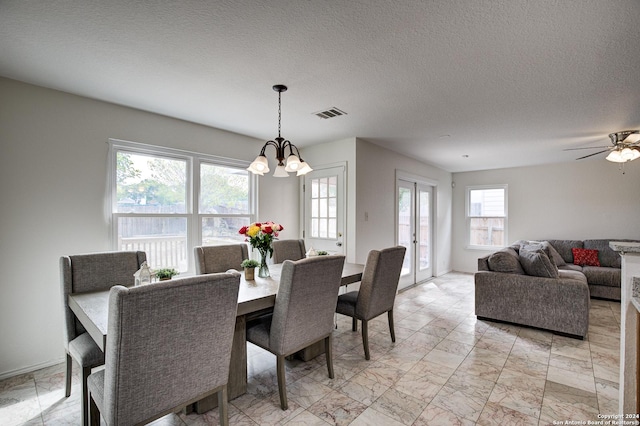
[{"x": 254, "y": 296}]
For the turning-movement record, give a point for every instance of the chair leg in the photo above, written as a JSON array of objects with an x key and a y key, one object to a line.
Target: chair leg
[
  {"x": 328, "y": 352},
  {"x": 282, "y": 384},
  {"x": 85, "y": 396},
  {"x": 94, "y": 412},
  {"x": 223, "y": 406},
  {"x": 365, "y": 339},
  {"x": 67, "y": 390},
  {"x": 354, "y": 324},
  {"x": 391, "y": 328}
]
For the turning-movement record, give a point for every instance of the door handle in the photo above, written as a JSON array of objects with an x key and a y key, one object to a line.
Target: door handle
[{"x": 339, "y": 244}]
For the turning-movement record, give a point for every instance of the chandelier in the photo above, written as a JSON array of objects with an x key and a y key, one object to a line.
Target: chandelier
[{"x": 294, "y": 163}]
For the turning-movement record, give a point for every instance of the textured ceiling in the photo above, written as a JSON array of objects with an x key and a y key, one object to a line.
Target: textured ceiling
[{"x": 506, "y": 83}]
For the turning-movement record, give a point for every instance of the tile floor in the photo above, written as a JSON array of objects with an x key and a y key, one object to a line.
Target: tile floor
[{"x": 446, "y": 367}]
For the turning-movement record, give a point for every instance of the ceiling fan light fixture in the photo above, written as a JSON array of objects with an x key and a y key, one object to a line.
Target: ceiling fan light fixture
[
  {"x": 629, "y": 154},
  {"x": 615, "y": 157},
  {"x": 623, "y": 155}
]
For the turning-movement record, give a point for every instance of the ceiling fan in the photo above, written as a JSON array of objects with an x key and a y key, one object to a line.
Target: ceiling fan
[{"x": 625, "y": 146}]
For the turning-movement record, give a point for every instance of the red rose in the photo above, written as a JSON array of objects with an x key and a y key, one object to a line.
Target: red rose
[
  {"x": 267, "y": 229},
  {"x": 243, "y": 230}
]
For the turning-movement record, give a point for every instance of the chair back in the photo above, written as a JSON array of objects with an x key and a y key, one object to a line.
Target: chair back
[
  {"x": 214, "y": 259},
  {"x": 92, "y": 272},
  {"x": 305, "y": 303},
  {"x": 169, "y": 344},
  {"x": 379, "y": 284},
  {"x": 288, "y": 250}
]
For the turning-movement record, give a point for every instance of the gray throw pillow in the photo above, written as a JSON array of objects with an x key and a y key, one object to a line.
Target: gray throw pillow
[
  {"x": 505, "y": 260},
  {"x": 542, "y": 245},
  {"x": 559, "y": 261},
  {"x": 537, "y": 263}
]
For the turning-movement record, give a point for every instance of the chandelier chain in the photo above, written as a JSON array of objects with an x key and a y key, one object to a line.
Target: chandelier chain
[{"x": 279, "y": 112}]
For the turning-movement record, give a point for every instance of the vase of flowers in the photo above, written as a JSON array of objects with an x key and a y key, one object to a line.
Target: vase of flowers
[{"x": 260, "y": 235}]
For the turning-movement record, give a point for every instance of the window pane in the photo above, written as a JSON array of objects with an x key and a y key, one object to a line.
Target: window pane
[
  {"x": 323, "y": 207},
  {"x": 315, "y": 209},
  {"x": 315, "y": 228},
  {"x": 333, "y": 228},
  {"x": 314, "y": 188},
  {"x": 150, "y": 184},
  {"x": 333, "y": 186},
  {"x": 486, "y": 202},
  {"x": 323, "y": 187},
  {"x": 333, "y": 210},
  {"x": 222, "y": 230},
  {"x": 164, "y": 239},
  {"x": 404, "y": 227},
  {"x": 223, "y": 190},
  {"x": 487, "y": 231},
  {"x": 323, "y": 228}
]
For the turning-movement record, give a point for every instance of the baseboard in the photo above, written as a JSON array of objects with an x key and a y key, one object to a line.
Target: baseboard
[{"x": 30, "y": 369}]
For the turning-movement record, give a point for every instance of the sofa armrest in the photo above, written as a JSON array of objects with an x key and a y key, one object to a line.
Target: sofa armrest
[{"x": 557, "y": 304}]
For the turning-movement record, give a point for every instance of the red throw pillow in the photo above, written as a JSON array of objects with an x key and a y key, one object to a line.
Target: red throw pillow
[{"x": 585, "y": 257}]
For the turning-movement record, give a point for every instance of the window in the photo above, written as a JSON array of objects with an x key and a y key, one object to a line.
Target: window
[
  {"x": 487, "y": 216},
  {"x": 324, "y": 212},
  {"x": 166, "y": 201}
]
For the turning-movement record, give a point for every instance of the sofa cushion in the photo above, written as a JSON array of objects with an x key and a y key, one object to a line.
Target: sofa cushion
[
  {"x": 537, "y": 263},
  {"x": 570, "y": 267},
  {"x": 543, "y": 245},
  {"x": 573, "y": 275},
  {"x": 563, "y": 247},
  {"x": 607, "y": 256},
  {"x": 557, "y": 258},
  {"x": 505, "y": 260},
  {"x": 585, "y": 257},
  {"x": 601, "y": 275}
]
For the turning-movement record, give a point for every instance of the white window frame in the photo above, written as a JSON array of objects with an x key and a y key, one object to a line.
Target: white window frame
[
  {"x": 192, "y": 199},
  {"x": 468, "y": 216}
]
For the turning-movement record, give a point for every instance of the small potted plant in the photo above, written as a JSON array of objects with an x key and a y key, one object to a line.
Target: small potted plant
[
  {"x": 249, "y": 266},
  {"x": 165, "y": 273}
]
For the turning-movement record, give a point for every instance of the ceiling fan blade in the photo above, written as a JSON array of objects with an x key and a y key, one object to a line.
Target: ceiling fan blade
[
  {"x": 586, "y": 147},
  {"x": 591, "y": 155}
]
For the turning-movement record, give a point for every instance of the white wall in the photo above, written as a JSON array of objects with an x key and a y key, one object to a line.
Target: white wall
[
  {"x": 375, "y": 195},
  {"x": 52, "y": 186},
  {"x": 576, "y": 200}
]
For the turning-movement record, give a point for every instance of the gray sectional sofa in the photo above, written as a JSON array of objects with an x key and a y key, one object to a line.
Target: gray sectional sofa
[{"x": 537, "y": 284}]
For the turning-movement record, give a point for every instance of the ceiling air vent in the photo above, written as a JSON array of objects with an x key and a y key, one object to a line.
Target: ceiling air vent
[{"x": 330, "y": 113}]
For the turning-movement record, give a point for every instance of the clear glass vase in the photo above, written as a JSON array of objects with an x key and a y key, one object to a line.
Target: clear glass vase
[{"x": 263, "y": 269}]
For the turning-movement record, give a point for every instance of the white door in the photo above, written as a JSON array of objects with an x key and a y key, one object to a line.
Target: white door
[
  {"x": 324, "y": 210},
  {"x": 415, "y": 231}
]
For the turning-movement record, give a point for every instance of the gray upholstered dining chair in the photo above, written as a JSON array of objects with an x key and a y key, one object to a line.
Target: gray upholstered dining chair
[
  {"x": 303, "y": 313},
  {"x": 83, "y": 273},
  {"x": 169, "y": 345},
  {"x": 214, "y": 259},
  {"x": 288, "y": 250},
  {"x": 377, "y": 292}
]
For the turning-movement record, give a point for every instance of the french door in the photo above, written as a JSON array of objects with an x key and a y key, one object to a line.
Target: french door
[{"x": 415, "y": 230}]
